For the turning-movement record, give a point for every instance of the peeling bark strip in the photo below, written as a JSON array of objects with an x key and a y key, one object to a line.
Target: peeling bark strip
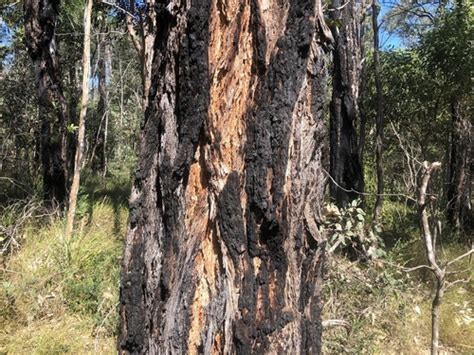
[
  {"x": 223, "y": 252},
  {"x": 40, "y": 26}
]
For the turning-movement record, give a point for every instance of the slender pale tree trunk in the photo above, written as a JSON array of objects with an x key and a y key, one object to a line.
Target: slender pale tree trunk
[
  {"x": 223, "y": 252},
  {"x": 86, "y": 58},
  {"x": 143, "y": 40},
  {"x": 74, "y": 90},
  {"x": 430, "y": 245},
  {"x": 379, "y": 119}
]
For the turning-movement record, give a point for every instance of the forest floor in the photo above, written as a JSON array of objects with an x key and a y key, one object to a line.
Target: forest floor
[{"x": 61, "y": 296}]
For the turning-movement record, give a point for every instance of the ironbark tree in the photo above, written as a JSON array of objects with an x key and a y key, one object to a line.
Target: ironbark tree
[
  {"x": 345, "y": 162},
  {"x": 40, "y": 25},
  {"x": 223, "y": 252}
]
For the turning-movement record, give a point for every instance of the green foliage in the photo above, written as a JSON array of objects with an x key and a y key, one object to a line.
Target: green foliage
[
  {"x": 71, "y": 128},
  {"x": 448, "y": 52},
  {"x": 347, "y": 227}
]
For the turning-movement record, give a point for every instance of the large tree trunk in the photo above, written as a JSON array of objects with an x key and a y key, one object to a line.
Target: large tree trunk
[
  {"x": 40, "y": 24},
  {"x": 459, "y": 189},
  {"x": 223, "y": 252},
  {"x": 346, "y": 167}
]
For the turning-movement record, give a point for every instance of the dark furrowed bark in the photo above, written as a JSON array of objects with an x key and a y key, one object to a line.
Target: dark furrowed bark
[
  {"x": 223, "y": 252},
  {"x": 459, "y": 208},
  {"x": 345, "y": 165},
  {"x": 40, "y": 23}
]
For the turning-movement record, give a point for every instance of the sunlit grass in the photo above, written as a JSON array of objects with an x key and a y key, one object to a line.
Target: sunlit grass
[
  {"x": 60, "y": 295},
  {"x": 390, "y": 310}
]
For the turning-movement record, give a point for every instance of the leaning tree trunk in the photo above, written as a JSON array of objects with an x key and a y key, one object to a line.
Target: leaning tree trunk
[
  {"x": 223, "y": 252},
  {"x": 458, "y": 192},
  {"x": 345, "y": 164},
  {"x": 40, "y": 25}
]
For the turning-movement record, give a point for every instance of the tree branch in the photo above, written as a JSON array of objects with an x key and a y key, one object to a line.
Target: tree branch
[
  {"x": 367, "y": 193},
  {"x": 460, "y": 257}
]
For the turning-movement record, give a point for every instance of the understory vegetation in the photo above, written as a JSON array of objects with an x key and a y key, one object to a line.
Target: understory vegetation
[
  {"x": 61, "y": 296},
  {"x": 353, "y": 141}
]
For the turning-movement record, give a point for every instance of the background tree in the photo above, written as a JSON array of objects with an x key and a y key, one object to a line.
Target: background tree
[
  {"x": 40, "y": 27},
  {"x": 447, "y": 51},
  {"x": 345, "y": 164},
  {"x": 379, "y": 118},
  {"x": 78, "y": 161}
]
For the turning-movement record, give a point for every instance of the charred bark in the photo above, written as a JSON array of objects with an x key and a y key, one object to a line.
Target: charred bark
[
  {"x": 459, "y": 190},
  {"x": 223, "y": 252},
  {"x": 345, "y": 162},
  {"x": 40, "y": 24}
]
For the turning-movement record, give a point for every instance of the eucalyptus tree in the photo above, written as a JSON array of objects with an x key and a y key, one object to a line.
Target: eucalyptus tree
[
  {"x": 40, "y": 34},
  {"x": 345, "y": 159},
  {"x": 448, "y": 54},
  {"x": 379, "y": 118},
  {"x": 223, "y": 251}
]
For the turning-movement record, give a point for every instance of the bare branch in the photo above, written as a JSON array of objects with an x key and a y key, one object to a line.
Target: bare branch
[
  {"x": 337, "y": 323},
  {"x": 464, "y": 281},
  {"x": 405, "y": 269},
  {"x": 460, "y": 257},
  {"x": 118, "y": 7},
  {"x": 366, "y": 193},
  {"x": 340, "y": 7}
]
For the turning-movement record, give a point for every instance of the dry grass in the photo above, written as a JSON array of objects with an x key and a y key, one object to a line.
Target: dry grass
[
  {"x": 60, "y": 296},
  {"x": 390, "y": 311}
]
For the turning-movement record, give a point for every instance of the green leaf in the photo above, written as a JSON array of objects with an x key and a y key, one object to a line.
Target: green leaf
[{"x": 71, "y": 128}]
